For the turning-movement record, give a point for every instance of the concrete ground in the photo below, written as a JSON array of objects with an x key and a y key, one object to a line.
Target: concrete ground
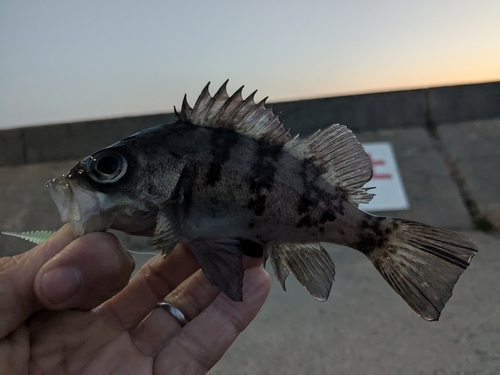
[
  {"x": 451, "y": 175},
  {"x": 365, "y": 328}
]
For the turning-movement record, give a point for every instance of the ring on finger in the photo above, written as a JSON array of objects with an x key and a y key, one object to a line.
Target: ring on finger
[{"x": 174, "y": 311}]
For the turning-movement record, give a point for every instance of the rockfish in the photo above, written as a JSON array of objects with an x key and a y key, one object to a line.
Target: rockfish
[{"x": 228, "y": 179}]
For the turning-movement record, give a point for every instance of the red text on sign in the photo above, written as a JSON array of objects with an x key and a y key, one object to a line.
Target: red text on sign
[{"x": 376, "y": 175}]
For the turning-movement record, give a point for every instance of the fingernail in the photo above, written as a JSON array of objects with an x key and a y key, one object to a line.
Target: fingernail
[{"x": 61, "y": 284}]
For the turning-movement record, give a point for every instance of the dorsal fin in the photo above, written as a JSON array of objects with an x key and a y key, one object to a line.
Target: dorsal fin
[
  {"x": 338, "y": 154},
  {"x": 334, "y": 150},
  {"x": 233, "y": 112}
]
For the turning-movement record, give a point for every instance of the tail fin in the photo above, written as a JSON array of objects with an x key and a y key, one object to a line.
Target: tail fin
[{"x": 422, "y": 264}]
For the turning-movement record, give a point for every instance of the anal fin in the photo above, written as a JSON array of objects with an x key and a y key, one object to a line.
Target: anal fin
[
  {"x": 280, "y": 270},
  {"x": 309, "y": 263},
  {"x": 222, "y": 262}
]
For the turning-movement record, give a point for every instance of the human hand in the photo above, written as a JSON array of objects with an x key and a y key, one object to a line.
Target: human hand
[{"x": 67, "y": 307}]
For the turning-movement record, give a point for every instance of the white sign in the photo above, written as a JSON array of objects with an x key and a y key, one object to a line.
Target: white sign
[{"x": 389, "y": 191}]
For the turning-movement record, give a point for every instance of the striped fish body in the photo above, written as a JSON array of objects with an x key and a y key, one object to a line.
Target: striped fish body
[
  {"x": 240, "y": 187},
  {"x": 228, "y": 179}
]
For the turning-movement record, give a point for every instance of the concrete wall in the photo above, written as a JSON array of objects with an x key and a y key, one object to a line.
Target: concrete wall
[
  {"x": 70, "y": 140},
  {"x": 367, "y": 112}
]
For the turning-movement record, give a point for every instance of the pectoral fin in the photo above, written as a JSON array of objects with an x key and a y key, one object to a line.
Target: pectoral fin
[
  {"x": 222, "y": 262},
  {"x": 168, "y": 229},
  {"x": 309, "y": 263}
]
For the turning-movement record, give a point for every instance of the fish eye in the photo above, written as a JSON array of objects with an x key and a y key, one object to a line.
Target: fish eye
[{"x": 106, "y": 166}]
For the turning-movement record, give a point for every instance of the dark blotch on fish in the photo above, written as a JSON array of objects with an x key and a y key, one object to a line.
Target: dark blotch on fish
[{"x": 264, "y": 168}]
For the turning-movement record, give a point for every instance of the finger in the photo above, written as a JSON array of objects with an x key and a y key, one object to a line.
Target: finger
[
  {"x": 157, "y": 278},
  {"x": 191, "y": 297},
  {"x": 89, "y": 271},
  {"x": 249, "y": 262},
  {"x": 202, "y": 342},
  {"x": 196, "y": 293},
  {"x": 17, "y": 274}
]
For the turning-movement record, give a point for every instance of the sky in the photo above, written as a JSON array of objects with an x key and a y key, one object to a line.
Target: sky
[{"x": 63, "y": 61}]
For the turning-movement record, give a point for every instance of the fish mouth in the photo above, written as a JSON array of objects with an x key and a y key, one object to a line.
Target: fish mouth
[{"x": 78, "y": 206}]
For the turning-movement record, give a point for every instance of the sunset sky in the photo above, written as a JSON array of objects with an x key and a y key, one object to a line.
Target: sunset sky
[{"x": 73, "y": 60}]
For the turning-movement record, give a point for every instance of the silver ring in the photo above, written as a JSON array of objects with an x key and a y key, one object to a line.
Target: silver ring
[{"x": 174, "y": 311}]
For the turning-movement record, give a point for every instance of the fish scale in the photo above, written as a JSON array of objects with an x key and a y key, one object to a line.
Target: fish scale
[{"x": 227, "y": 178}]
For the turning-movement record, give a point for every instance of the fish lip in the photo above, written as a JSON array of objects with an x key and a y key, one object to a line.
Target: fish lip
[{"x": 76, "y": 205}]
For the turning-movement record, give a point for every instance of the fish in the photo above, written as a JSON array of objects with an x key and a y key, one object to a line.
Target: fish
[{"x": 228, "y": 179}]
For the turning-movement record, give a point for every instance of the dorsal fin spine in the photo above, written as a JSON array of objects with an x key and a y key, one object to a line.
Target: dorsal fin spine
[
  {"x": 204, "y": 96},
  {"x": 237, "y": 113},
  {"x": 222, "y": 116},
  {"x": 249, "y": 101},
  {"x": 267, "y": 114},
  {"x": 247, "y": 118},
  {"x": 284, "y": 136},
  {"x": 259, "y": 116},
  {"x": 186, "y": 110},
  {"x": 220, "y": 95},
  {"x": 273, "y": 132},
  {"x": 237, "y": 96}
]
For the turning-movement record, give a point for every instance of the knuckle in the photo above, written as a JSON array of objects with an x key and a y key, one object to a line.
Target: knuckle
[
  {"x": 7, "y": 263},
  {"x": 9, "y": 290},
  {"x": 195, "y": 350}
]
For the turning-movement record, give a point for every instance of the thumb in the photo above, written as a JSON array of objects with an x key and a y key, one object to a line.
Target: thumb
[{"x": 89, "y": 271}]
